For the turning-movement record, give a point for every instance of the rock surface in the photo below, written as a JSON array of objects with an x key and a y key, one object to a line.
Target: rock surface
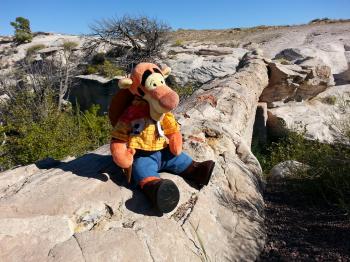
[
  {"x": 11, "y": 53},
  {"x": 294, "y": 82},
  {"x": 322, "y": 118},
  {"x": 203, "y": 63},
  {"x": 94, "y": 90},
  {"x": 287, "y": 169},
  {"x": 82, "y": 210}
]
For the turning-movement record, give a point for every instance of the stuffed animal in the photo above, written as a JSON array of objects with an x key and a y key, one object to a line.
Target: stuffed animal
[{"x": 146, "y": 138}]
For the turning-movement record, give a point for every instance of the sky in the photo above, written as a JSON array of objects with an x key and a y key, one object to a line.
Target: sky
[{"x": 75, "y": 16}]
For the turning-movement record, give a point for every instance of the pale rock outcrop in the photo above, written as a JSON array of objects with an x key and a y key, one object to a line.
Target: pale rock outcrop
[
  {"x": 290, "y": 82},
  {"x": 4, "y": 98},
  {"x": 331, "y": 54},
  {"x": 82, "y": 210},
  {"x": 287, "y": 169},
  {"x": 52, "y": 43},
  {"x": 203, "y": 63},
  {"x": 323, "y": 118}
]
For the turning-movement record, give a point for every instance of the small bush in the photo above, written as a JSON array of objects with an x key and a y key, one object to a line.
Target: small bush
[
  {"x": 327, "y": 180},
  {"x": 69, "y": 46},
  {"x": 330, "y": 100},
  {"x": 22, "y": 30},
  {"x": 110, "y": 70},
  {"x": 183, "y": 91},
  {"x": 22, "y": 37},
  {"x": 107, "y": 69},
  {"x": 55, "y": 134},
  {"x": 34, "y": 48},
  {"x": 178, "y": 42},
  {"x": 91, "y": 69}
]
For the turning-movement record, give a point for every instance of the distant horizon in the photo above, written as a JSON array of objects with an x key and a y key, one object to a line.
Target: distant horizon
[
  {"x": 201, "y": 29},
  {"x": 74, "y": 17}
]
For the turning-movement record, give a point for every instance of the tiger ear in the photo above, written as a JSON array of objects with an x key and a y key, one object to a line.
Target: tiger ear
[
  {"x": 125, "y": 83},
  {"x": 166, "y": 71}
]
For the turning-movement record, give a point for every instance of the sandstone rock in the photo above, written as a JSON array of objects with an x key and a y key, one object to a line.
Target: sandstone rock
[
  {"x": 204, "y": 63},
  {"x": 344, "y": 77},
  {"x": 296, "y": 82},
  {"x": 50, "y": 50},
  {"x": 4, "y": 98},
  {"x": 214, "y": 51},
  {"x": 83, "y": 210},
  {"x": 321, "y": 118},
  {"x": 287, "y": 169},
  {"x": 97, "y": 78},
  {"x": 330, "y": 54},
  {"x": 94, "y": 89}
]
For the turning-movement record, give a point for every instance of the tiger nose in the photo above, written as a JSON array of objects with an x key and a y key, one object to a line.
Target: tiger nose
[{"x": 169, "y": 101}]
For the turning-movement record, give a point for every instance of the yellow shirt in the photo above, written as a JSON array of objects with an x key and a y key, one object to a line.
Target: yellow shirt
[{"x": 140, "y": 131}]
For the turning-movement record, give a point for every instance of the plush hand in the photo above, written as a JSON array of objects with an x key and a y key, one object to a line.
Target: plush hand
[
  {"x": 175, "y": 143},
  {"x": 122, "y": 155}
]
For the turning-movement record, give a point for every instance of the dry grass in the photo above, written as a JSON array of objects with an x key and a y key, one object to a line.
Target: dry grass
[{"x": 237, "y": 34}]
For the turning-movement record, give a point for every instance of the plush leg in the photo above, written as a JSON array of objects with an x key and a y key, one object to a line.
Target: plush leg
[
  {"x": 199, "y": 173},
  {"x": 163, "y": 193}
]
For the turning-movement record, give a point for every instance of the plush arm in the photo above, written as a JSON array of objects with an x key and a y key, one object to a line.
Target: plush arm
[
  {"x": 175, "y": 143},
  {"x": 122, "y": 155}
]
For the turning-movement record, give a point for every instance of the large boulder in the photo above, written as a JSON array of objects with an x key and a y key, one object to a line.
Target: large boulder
[
  {"x": 287, "y": 169},
  {"x": 83, "y": 210},
  {"x": 94, "y": 90},
  {"x": 322, "y": 118},
  {"x": 201, "y": 64},
  {"x": 292, "y": 82},
  {"x": 331, "y": 54}
]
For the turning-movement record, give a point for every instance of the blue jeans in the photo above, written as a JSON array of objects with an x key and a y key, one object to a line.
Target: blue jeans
[{"x": 149, "y": 163}]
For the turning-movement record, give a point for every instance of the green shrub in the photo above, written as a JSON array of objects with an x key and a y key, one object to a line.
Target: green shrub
[
  {"x": 34, "y": 48},
  {"x": 110, "y": 70},
  {"x": 184, "y": 91},
  {"x": 69, "y": 46},
  {"x": 328, "y": 178},
  {"x": 330, "y": 100},
  {"x": 91, "y": 69},
  {"x": 22, "y": 37},
  {"x": 22, "y": 30},
  {"x": 31, "y": 136},
  {"x": 107, "y": 69},
  {"x": 178, "y": 42}
]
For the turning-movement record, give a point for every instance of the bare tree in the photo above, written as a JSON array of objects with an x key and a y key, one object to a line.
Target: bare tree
[
  {"x": 134, "y": 38},
  {"x": 64, "y": 70},
  {"x": 48, "y": 80}
]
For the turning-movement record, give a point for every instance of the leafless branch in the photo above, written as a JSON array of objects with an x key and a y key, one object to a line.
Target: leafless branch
[{"x": 134, "y": 39}]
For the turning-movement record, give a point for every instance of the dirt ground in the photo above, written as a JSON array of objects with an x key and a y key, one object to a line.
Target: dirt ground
[{"x": 297, "y": 231}]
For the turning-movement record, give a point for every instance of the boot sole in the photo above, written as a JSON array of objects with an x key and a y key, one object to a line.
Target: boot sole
[{"x": 168, "y": 196}]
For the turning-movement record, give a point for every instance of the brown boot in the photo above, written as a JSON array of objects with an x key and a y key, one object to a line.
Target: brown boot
[
  {"x": 163, "y": 194},
  {"x": 199, "y": 173}
]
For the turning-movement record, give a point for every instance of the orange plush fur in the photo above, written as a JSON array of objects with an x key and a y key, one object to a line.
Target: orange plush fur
[{"x": 147, "y": 81}]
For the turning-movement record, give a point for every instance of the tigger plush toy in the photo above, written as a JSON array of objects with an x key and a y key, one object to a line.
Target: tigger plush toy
[{"x": 146, "y": 138}]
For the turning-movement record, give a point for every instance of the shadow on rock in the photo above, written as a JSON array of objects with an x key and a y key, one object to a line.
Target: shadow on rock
[{"x": 103, "y": 168}]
